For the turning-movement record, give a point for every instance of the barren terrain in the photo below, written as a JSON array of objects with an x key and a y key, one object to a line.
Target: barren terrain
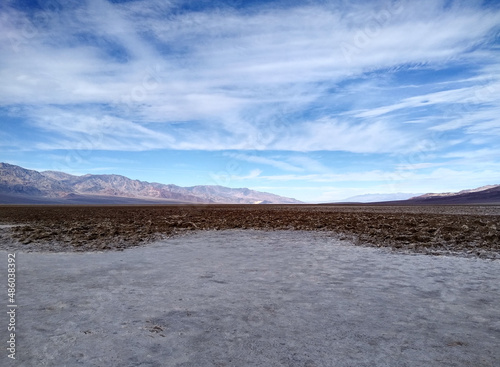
[
  {"x": 254, "y": 298},
  {"x": 456, "y": 230},
  {"x": 270, "y": 285}
]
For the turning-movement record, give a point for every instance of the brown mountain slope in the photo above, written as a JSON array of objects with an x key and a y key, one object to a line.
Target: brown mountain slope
[{"x": 20, "y": 185}]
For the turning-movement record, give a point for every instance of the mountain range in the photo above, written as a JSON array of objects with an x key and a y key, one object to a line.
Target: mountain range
[
  {"x": 19, "y": 185},
  {"x": 23, "y": 186},
  {"x": 489, "y": 194}
]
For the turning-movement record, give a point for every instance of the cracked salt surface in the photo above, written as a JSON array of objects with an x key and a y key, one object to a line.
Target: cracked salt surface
[{"x": 255, "y": 298}]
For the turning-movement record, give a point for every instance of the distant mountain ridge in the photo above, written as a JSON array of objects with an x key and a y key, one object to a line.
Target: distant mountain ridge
[
  {"x": 21, "y": 185},
  {"x": 489, "y": 194},
  {"x": 448, "y": 194}
]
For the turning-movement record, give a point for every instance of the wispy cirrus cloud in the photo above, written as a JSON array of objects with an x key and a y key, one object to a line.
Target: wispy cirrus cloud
[
  {"x": 280, "y": 164},
  {"x": 223, "y": 62}
]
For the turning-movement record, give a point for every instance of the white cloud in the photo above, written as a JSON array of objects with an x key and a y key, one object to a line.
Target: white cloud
[
  {"x": 486, "y": 154},
  {"x": 471, "y": 95},
  {"x": 263, "y": 160},
  {"x": 309, "y": 164},
  {"x": 224, "y": 65},
  {"x": 334, "y": 135},
  {"x": 79, "y": 131},
  {"x": 417, "y": 166}
]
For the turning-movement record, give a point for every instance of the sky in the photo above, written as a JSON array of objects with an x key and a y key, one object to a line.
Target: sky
[{"x": 315, "y": 100}]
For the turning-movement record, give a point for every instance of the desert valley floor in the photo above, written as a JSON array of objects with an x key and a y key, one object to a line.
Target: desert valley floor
[
  {"x": 231, "y": 285},
  {"x": 459, "y": 230}
]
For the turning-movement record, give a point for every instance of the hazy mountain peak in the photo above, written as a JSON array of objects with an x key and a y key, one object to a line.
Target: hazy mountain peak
[{"x": 374, "y": 198}]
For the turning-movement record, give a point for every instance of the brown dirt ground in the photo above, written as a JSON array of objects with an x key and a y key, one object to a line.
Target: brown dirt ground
[{"x": 455, "y": 230}]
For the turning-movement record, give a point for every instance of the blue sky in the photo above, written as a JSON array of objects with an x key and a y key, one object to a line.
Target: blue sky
[{"x": 316, "y": 100}]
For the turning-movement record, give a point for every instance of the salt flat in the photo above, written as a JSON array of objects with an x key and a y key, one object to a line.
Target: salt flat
[{"x": 254, "y": 298}]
